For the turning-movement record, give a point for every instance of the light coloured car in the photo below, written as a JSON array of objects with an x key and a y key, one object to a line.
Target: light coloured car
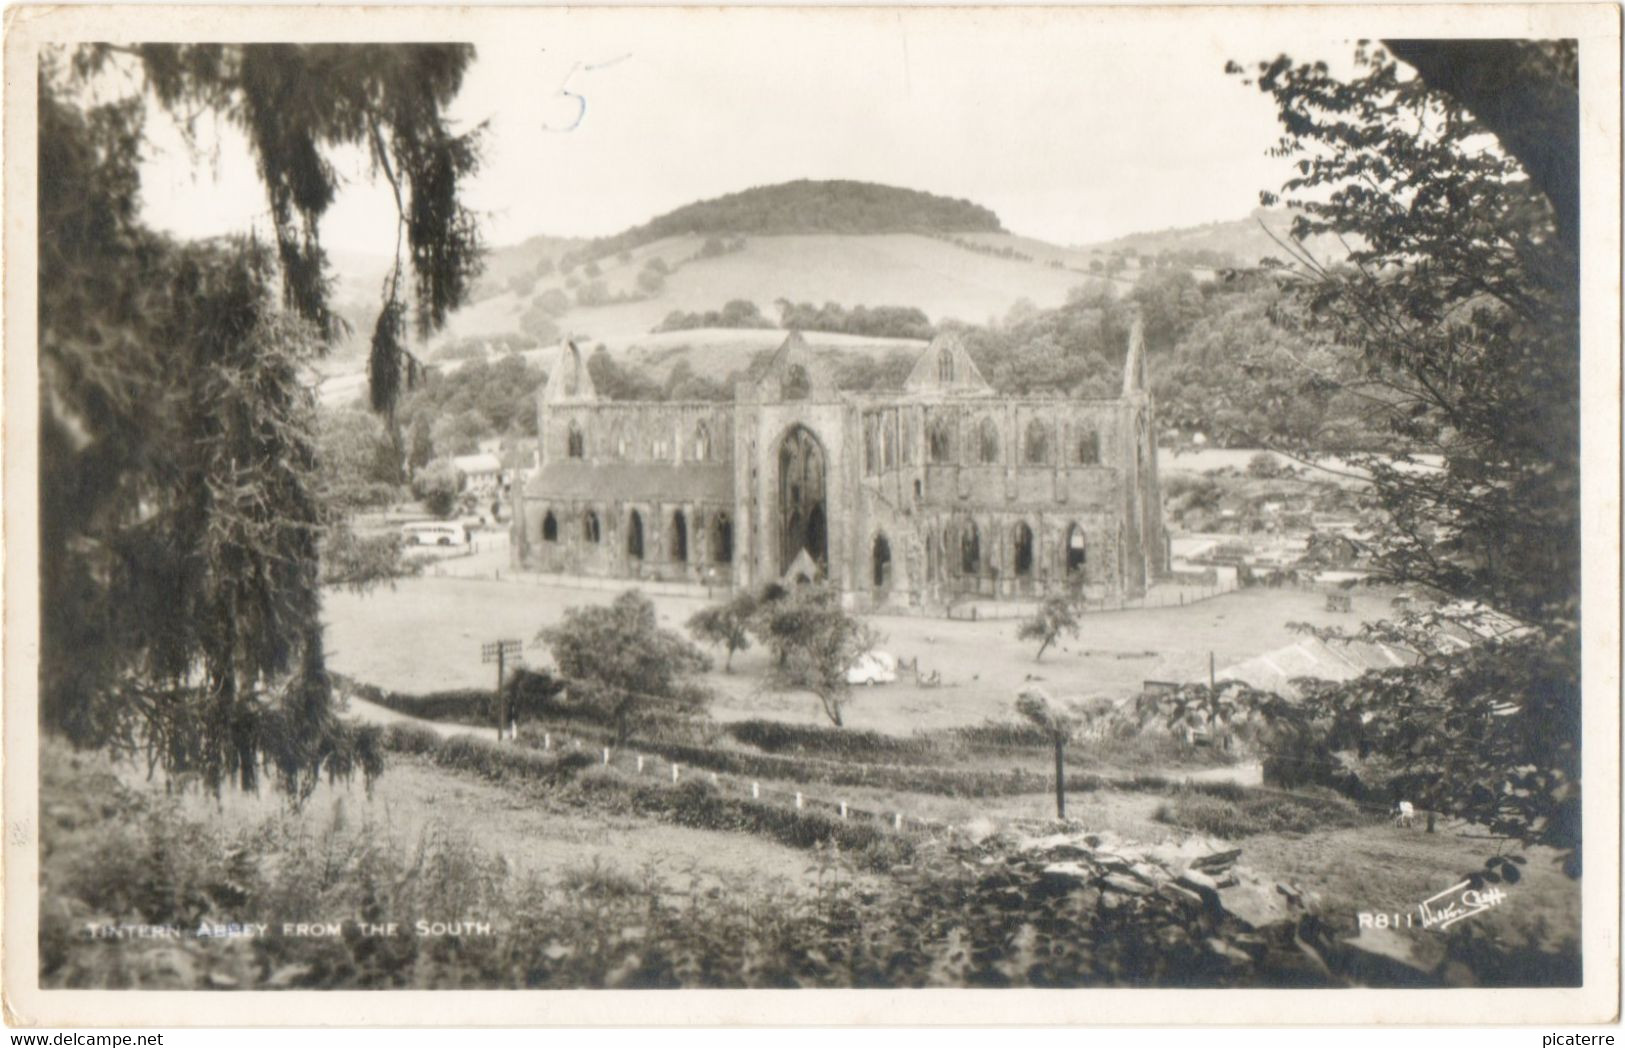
[{"x": 873, "y": 667}]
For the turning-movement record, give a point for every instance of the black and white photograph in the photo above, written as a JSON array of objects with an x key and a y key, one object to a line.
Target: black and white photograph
[{"x": 813, "y": 499}]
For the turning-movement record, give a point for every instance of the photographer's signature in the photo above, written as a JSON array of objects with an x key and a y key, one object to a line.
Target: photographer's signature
[{"x": 1455, "y": 903}]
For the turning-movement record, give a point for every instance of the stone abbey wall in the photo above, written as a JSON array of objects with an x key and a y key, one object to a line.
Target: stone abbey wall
[{"x": 940, "y": 492}]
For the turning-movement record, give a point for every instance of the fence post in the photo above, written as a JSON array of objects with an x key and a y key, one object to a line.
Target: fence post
[
  {"x": 674, "y": 773},
  {"x": 798, "y": 801},
  {"x": 713, "y": 778},
  {"x": 606, "y": 756},
  {"x": 640, "y": 764},
  {"x": 755, "y": 791},
  {"x": 897, "y": 821},
  {"x": 843, "y": 809},
  {"x": 547, "y": 740}
]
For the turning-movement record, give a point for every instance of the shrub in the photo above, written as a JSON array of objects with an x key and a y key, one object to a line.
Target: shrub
[
  {"x": 621, "y": 661},
  {"x": 1001, "y": 734},
  {"x": 438, "y": 485},
  {"x": 1236, "y": 812},
  {"x": 779, "y": 737}
]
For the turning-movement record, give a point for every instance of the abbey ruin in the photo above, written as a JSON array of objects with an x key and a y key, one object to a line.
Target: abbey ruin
[{"x": 916, "y": 499}]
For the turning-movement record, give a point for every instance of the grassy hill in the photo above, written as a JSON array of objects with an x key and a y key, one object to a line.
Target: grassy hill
[
  {"x": 804, "y": 206},
  {"x": 1244, "y": 240}
]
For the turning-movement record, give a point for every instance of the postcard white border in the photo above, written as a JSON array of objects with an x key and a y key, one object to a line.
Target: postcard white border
[{"x": 1597, "y": 26}]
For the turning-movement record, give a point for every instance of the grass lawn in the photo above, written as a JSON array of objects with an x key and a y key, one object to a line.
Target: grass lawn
[{"x": 425, "y": 635}]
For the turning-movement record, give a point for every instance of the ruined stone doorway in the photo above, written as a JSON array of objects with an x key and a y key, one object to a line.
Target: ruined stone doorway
[
  {"x": 679, "y": 538},
  {"x": 1077, "y": 552},
  {"x": 634, "y": 536},
  {"x": 1024, "y": 551},
  {"x": 802, "y": 516},
  {"x": 722, "y": 540},
  {"x": 882, "y": 563}
]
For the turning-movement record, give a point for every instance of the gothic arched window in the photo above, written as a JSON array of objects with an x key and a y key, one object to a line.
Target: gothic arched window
[
  {"x": 987, "y": 435},
  {"x": 1037, "y": 442}
]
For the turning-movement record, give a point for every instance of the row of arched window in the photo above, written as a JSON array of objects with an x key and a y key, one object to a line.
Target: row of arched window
[
  {"x": 964, "y": 555},
  {"x": 720, "y": 534},
  {"x": 1036, "y": 448},
  {"x": 699, "y": 447}
]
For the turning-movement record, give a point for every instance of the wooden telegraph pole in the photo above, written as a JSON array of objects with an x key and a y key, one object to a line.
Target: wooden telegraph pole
[{"x": 498, "y": 651}]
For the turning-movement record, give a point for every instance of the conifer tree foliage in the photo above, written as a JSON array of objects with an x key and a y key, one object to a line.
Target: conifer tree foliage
[{"x": 179, "y": 508}]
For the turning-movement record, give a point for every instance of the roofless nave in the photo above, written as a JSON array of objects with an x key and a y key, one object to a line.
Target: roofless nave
[{"x": 909, "y": 499}]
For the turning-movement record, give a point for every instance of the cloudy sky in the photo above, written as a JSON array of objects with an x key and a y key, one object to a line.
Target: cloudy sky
[{"x": 1072, "y": 129}]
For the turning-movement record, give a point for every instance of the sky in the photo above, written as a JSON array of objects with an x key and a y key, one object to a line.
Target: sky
[{"x": 1071, "y": 130}]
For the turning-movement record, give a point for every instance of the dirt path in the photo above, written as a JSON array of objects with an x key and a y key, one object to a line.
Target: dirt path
[
  {"x": 1249, "y": 774},
  {"x": 359, "y": 709}
]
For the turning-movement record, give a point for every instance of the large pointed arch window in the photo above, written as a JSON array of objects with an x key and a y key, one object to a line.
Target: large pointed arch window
[{"x": 803, "y": 522}]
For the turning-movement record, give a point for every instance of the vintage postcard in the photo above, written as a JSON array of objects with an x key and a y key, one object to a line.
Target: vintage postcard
[{"x": 1097, "y": 505}]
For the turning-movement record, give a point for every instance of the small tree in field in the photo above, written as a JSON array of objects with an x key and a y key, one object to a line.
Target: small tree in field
[
  {"x": 1040, "y": 709},
  {"x": 726, "y": 625},
  {"x": 815, "y": 641},
  {"x": 620, "y": 662},
  {"x": 1057, "y": 615}
]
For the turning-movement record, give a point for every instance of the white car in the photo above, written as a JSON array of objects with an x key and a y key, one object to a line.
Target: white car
[{"x": 873, "y": 667}]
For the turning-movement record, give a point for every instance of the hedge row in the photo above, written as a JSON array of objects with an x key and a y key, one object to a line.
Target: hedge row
[
  {"x": 906, "y": 778},
  {"x": 779, "y": 737},
  {"x": 699, "y": 805}
]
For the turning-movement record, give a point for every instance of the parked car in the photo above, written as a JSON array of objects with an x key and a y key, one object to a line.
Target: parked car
[
  {"x": 435, "y": 533},
  {"x": 873, "y": 667}
]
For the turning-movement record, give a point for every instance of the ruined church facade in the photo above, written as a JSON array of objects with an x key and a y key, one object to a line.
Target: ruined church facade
[{"x": 920, "y": 499}]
